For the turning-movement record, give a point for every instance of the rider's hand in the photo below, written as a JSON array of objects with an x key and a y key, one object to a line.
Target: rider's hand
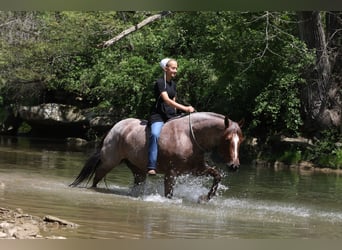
[{"x": 190, "y": 109}]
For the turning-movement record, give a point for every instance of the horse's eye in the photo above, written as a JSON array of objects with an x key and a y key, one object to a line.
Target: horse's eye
[{"x": 228, "y": 137}]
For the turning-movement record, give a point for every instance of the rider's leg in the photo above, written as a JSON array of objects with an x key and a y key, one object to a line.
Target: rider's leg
[{"x": 153, "y": 146}]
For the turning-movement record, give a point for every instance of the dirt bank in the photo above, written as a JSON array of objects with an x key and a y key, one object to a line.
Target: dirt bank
[{"x": 15, "y": 224}]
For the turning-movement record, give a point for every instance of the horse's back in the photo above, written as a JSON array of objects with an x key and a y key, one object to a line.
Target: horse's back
[
  {"x": 125, "y": 126},
  {"x": 127, "y": 139}
]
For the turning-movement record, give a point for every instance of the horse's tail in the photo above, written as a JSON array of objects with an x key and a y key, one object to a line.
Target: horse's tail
[
  {"x": 89, "y": 167},
  {"x": 88, "y": 170}
]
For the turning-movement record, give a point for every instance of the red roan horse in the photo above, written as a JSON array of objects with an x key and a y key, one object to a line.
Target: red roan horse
[{"x": 183, "y": 143}]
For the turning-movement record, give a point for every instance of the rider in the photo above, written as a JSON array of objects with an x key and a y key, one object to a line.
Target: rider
[{"x": 164, "y": 109}]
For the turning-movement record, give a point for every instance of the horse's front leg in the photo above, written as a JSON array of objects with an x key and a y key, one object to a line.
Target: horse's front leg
[{"x": 211, "y": 171}]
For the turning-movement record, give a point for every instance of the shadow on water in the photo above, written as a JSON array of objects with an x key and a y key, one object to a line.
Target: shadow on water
[{"x": 253, "y": 203}]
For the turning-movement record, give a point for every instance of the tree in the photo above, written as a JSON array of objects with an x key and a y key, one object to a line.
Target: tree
[
  {"x": 246, "y": 64},
  {"x": 322, "y": 96}
]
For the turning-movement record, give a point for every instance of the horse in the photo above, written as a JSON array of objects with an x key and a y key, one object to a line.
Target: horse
[{"x": 183, "y": 144}]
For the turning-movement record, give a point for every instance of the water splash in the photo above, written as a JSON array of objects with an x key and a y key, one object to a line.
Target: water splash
[{"x": 188, "y": 188}]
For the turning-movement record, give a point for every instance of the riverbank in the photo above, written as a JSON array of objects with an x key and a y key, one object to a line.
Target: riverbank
[
  {"x": 303, "y": 167},
  {"x": 298, "y": 153},
  {"x": 15, "y": 224}
]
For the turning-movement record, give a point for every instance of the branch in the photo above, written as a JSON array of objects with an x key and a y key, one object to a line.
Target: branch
[
  {"x": 9, "y": 22},
  {"x": 134, "y": 28}
]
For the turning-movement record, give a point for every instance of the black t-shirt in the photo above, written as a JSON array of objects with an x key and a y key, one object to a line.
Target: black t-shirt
[{"x": 160, "y": 110}]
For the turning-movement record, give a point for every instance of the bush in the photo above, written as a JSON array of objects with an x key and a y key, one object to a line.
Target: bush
[
  {"x": 327, "y": 151},
  {"x": 291, "y": 157}
]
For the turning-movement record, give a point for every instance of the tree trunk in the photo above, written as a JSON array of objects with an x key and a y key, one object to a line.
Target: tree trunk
[{"x": 321, "y": 97}]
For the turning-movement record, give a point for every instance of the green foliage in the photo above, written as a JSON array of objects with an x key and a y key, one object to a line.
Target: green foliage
[
  {"x": 291, "y": 157},
  {"x": 246, "y": 65},
  {"x": 338, "y": 158},
  {"x": 278, "y": 105},
  {"x": 195, "y": 83},
  {"x": 124, "y": 85},
  {"x": 327, "y": 151},
  {"x": 24, "y": 128}
]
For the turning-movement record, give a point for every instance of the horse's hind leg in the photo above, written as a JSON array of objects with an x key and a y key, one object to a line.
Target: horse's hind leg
[
  {"x": 103, "y": 170},
  {"x": 139, "y": 174},
  {"x": 169, "y": 182},
  {"x": 139, "y": 179},
  {"x": 100, "y": 173}
]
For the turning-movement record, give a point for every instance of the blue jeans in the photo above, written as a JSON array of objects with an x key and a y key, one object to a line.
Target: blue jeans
[{"x": 156, "y": 127}]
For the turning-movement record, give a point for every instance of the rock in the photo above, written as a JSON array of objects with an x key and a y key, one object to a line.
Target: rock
[
  {"x": 51, "y": 114},
  {"x": 12, "y": 230},
  {"x": 27, "y": 230},
  {"x": 62, "y": 121},
  {"x": 76, "y": 141},
  {"x": 3, "y": 235},
  {"x": 101, "y": 123},
  {"x": 4, "y": 225},
  {"x": 16, "y": 225},
  {"x": 54, "y": 120},
  {"x": 59, "y": 120},
  {"x": 52, "y": 219},
  {"x": 19, "y": 210}
]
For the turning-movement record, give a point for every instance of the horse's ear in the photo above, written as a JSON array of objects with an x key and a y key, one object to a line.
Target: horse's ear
[
  {"x": 226, "y": 121},
  {"x": 241, "y": 122}
]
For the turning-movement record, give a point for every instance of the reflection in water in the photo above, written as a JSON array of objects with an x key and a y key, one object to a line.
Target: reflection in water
[{"x": 253, "y": 203}]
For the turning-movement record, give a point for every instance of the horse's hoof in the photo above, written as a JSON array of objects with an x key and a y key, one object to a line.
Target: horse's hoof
[{"x": 203, "y": 199}]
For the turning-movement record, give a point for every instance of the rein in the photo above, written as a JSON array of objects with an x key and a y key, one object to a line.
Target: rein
[{"x": 193, "y": 136}]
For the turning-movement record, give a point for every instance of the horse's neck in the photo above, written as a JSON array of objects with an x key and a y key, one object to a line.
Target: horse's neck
[{"x": 208, "y": 131}]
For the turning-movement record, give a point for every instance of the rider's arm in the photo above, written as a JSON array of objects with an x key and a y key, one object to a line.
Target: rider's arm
[{"x": 174, "y": 104}]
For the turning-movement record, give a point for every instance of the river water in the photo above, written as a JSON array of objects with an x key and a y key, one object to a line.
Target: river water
[{"x": 253, "y": 203}]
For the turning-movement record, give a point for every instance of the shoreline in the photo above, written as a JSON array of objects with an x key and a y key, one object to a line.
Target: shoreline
[
  {"x": 303, "y": 167},
  {"x": 15, "y": 224}
]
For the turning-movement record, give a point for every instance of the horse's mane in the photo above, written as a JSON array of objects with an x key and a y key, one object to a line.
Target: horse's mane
[
  {"x": 205, "y": 115},
  {"x": 202, "y": 116},
  {"x": 199, "y": 116}
]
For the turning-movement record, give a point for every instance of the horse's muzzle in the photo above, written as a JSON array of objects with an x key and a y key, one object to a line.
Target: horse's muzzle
[{"x": 232, "y": 167}]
